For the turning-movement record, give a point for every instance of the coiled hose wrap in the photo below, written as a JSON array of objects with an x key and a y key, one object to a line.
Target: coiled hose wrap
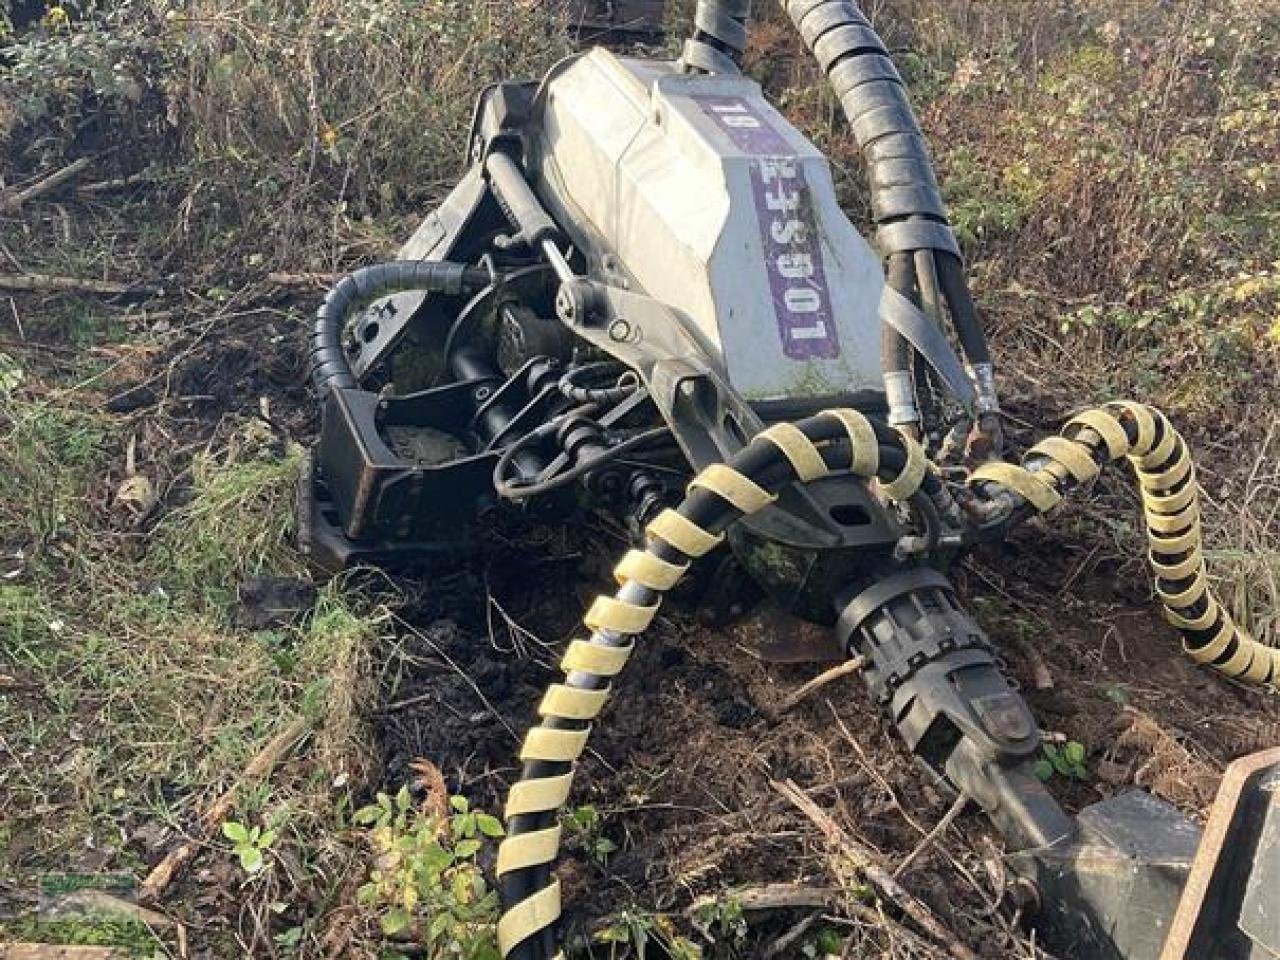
[
  {"x": 719, "y": 37},
  {"x": 912, "y": 229},
  {"x": 723, "y": 493},
  {"x": 329, "y": 365},
  {"x": 1166, "y": 477}
]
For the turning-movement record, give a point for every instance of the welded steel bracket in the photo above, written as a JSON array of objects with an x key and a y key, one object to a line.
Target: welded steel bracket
[
  {"x": 1230, "y": 909},
  {"x": 1110, "y": 890}
]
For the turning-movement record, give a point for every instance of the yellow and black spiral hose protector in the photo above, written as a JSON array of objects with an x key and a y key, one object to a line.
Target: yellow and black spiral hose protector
[
  {"x": 836, "y": 441},
  {"x": 1171, "y": 506}
]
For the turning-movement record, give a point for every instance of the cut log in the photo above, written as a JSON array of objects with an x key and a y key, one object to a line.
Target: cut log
[{"x": 43, "y": 283}]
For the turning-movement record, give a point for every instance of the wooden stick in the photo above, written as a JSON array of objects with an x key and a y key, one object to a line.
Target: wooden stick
[
  {"x": 856, "y": 665},
  {"x": 776, "y": 896},
  {"x": 51, "y": 182},
  {"x": 43, "y": 283},
  {"x": 865, "y": 860},
  {"x": 783, "y": 943},
  {"x": 878, "y": 919},
  {"x": 106, "y": 186},
  {"x": 257, "y": 768},
  {"x": 304, "y": 279},
  {"x": 929, "y": 838}
]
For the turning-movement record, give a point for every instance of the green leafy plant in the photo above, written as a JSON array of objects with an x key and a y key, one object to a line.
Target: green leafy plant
[
  {"x": 585, "y": 824},
  {"x": 632, "y": 933},
  {"x": 826, "y": 943},
  {"x": 1067, "y": 761},
  {"x": 249, "y": 844},
  {"x": 722, "y": 921},
  {"x": 425, "y": 882}
]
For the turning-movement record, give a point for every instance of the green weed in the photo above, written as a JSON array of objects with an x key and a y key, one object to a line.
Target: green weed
[
  {"x": 249, "y": 844},
  {"x": 1067, "y": 760},
  {"x": 585, "y": 826},
  {"x": 425, "y": 883},
  {"x": 632, "y": 934}
]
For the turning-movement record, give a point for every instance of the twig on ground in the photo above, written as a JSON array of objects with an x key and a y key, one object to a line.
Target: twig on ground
[
  {"x": 106, "y": 186},
  {"x": 43, "y": 283},
  {"x": 866, "y": 861},
  {"x": 257, "y": 768},
  {"x": 786, "y": 941},
  {"x": 929, "y": 838},
  {"x": 303, "y": 279},
  {"x": 466, "y": 677},
  {"x": 775, "y": 896},
  {"x": 849, "y": 667},
  {"x": 878, "y": 919},
  {"x": 884, "y": 784},
  {"x": 407, "y": 702},
  {"x": 41, "y": 187},
  {"x": 874, "y": 773}
]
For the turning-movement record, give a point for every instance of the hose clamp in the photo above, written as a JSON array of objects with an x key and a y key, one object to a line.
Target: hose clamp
[
  {"x": 900, "y": 393},
  {"x": 984, "y": 380}
]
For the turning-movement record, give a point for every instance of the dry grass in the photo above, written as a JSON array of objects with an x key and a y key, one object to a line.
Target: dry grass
[{"x": 296, "y": 135}]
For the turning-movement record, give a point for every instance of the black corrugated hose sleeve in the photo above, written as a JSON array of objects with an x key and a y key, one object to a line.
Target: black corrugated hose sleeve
[
  {"x": 719, "y": 37},
  {"x": 330, "y": 368},
  {"x": 906, "y": 202}
]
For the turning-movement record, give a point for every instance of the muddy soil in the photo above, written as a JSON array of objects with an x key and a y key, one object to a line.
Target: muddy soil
[{"x": 682, "y": 762}]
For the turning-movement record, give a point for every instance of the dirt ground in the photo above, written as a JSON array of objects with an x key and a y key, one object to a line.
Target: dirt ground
[{"x": 683, "y": 761}]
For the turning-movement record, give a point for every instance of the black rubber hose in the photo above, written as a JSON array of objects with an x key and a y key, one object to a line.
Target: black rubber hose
[
  {"x": 963, "y": 313},
  {"x": 330, "y": 367},
  {"x": 895, "y": 349},
  {"x": 509, "y": 490},
  {"x": 570, "y": 384}
]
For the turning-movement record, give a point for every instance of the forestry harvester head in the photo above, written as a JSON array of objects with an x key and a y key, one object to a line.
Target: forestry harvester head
[{"x": 643, "y": 298}]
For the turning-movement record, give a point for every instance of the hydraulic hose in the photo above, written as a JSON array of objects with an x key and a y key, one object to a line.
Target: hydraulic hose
[
  {"x": 514, "y": 491},
  {"x": 1171, "y": 506},
  {"x": 330, "y": 367},
  {"x": 722, "y": 494},
  {"x": 895, "y": 349},
  {"x": 570, "y": 384},
  {"x": 719, "y": 37},
  {"x": 906, "y": 201}
]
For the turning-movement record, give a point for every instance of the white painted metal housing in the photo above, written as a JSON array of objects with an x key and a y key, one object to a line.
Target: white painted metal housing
[{"x": 714, "y": 204}]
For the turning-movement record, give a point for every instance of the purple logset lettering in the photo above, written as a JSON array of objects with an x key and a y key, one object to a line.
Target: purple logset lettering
[{"x": 788, "y": 233}]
